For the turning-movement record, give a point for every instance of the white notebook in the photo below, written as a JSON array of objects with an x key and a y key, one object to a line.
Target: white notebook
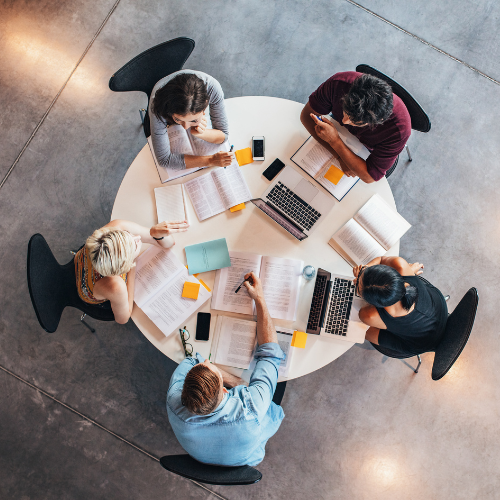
[
  {"x": 219, "y": 190},
  {"x": 370, "y": 233},
  {"x": 171, "y": 203},
  {"x": 281, "y": 279},
  {"x": 159, "y": 281}
]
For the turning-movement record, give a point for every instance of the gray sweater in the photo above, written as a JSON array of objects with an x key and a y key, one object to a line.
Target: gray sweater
[{"x": 159, "y": 135}]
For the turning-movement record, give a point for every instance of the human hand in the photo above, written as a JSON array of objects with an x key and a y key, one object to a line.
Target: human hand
[
  {"x": 325, "y": 130},
  {"x": 417, "y": 268},
  {"x": 163, "y": 229},
  {"x": 356, "y": 270},
  {"x": 199, "y": 130},
  {"x": 220, "y": 159},
  {"x": 254, "y": 286}
]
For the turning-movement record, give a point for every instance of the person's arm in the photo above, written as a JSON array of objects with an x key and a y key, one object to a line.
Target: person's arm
[
  {"x": 231, "y": 380},
  {"x": 398, "y": 263},
  {"x": 328, "y": 133},
  {"x": 310, "y": 125}
]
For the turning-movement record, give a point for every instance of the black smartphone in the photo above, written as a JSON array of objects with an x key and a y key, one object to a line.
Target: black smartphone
[
  {"x": 203, "y": 327},
  {"x": 273, "y": 170}
]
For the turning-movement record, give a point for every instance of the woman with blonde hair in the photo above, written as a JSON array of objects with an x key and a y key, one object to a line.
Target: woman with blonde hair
[{"x": 105, "y": 265}]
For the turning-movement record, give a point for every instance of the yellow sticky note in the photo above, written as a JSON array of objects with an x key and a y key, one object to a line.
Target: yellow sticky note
[
  {"x": 241, "y": 206},
  {"x": 191, "y": 290},
  {"x": 334, "y": 174},
  {"x": 244, "y": 156},
  {"x": 200, "y": 280},
  {"x": 299, "y": 339}
]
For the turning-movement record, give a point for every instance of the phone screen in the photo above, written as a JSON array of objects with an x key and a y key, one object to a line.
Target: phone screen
[
  {"x": 258, "y": 148},
  {"x": 203, "y": 326}
]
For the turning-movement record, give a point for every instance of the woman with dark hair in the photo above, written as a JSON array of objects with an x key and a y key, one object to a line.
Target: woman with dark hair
[
  {"x": 406, "y": 314},
  {"x": 182, "y": 98}
]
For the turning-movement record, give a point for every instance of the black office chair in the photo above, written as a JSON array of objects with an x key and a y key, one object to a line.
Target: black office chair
[
  {"x": 419, "y": 119},
  {"x": 52, "y": 287},
  {"x": 456, "y": 334},
  {"x": 145, "y": 70}
]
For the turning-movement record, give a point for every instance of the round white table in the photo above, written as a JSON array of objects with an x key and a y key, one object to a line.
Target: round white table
[{"x": 249, "y": 230}]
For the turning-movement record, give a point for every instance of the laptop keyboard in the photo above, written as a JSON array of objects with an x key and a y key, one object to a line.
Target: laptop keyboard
[
  {"x": 316, "y": 303},
  {"x": 294, "y": 207},
  {"x": 342, "y": 295}
]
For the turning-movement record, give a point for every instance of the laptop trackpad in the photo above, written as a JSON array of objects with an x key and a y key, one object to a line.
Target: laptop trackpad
[{"x": 305, "y": 190}]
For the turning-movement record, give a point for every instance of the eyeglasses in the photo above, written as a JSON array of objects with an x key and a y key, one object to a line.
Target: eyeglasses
[
  {"x": 188, "y": 348},
  {"x": 357, "y": 280}
]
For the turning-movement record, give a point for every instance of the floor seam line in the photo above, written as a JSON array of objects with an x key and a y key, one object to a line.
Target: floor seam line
[
  {"x": 40, "y": 123},
  {"x": 70, "y": 408},
  {"x": 425, "y": 42}
]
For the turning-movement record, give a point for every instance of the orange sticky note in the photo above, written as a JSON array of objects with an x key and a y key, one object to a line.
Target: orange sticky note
[
  {"x": 191, "y": 290},
  {"x": 244, "y": 156},
  {"x": 200, "y": 280},
  {"x": 334, "y": 174},
  {"x": 299, "y": 339},
  {"x": 241, "y": 206}
]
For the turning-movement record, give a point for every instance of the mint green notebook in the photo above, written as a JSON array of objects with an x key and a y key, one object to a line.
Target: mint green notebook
[{"x": 207, "y": 256}]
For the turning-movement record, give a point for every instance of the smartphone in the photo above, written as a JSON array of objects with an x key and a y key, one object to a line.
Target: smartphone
[
  {"x": 273, "y": 170},
  {"x": 203, "y": 327},
  {"x": 258, "y": 147}
]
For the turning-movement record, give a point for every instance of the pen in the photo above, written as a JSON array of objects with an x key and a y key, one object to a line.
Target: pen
[
  {"x": 209, "y": 356},
  {"x": 319, "y": 118},
  {"x": 238, "y": 289},
  {"x": 231, "y": 150}
]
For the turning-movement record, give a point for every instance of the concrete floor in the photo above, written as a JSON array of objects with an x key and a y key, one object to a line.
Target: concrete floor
[{"x": 363, "y": 427}]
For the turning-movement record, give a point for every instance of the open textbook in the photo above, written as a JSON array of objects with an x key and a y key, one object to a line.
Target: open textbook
[
  {"x": 171, "y": 203},
  {"x": 373, "y": 230},
  {"x": 218, "y": 190},
  {"x": 182, "y": 142},
  {"x": 280, "y": 281},
  {"x": 159, "y": 281},
  {"x": 323, "y": 167},
  {"x": 235, "y": 341}
]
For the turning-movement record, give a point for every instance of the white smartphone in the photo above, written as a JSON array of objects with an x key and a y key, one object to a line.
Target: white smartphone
[{"x": 258, "y": 147}]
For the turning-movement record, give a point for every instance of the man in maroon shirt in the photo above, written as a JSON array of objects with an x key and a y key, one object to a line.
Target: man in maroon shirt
[{"x": 367, "y": 108}]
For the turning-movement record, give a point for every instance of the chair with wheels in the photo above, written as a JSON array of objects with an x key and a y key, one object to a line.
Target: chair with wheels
[
  {"x": 145, "y": 70},
  {"x": 419, "y": 119},
  {"x": 52, "y": 287},
  {"x": 456, "y": 334}
]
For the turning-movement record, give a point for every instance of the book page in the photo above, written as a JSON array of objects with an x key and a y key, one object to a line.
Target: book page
[
  {"x": 204, "y": 148},
  {"x": 170, "y": 203},
  {"x": 155, "y": 267},
  {"x": 204, "y": 196},
  {"x": 281, "y": 282},
  {"x": 312, "y": 157},
  {"x": 236, "y": 343},
  {"x": 168, "y": 309},
  {"x": 342, "y": 187},
  {"x": 358, "y": 243},
  {"x": 231, "y": 184},
  {"x": 228, "y": 279},
  {"x": 179, "y": 138},
  {"x": 382, "y": 221}
]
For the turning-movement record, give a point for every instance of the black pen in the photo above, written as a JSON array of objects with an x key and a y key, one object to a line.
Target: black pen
[{"x": 238, "y": 289}]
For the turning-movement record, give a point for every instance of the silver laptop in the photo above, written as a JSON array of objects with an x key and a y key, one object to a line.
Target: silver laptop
[
  {"x": 335, "y": 308},
  {"x": 295, "y": 203}
]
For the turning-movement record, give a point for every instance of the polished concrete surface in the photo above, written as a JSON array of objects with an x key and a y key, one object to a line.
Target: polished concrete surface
[{"x": 362, "y": 427}]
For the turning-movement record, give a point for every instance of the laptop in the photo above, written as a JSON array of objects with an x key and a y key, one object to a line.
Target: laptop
[
  {"x": 295, "y": 203},
  {"x": 335, "y": 308}
]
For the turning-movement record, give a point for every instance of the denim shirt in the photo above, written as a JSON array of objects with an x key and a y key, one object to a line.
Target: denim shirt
[{"x": 236, "y": 432}]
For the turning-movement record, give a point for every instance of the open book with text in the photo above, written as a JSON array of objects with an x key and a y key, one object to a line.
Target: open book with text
[
  {"x": 183, "y": 142},
  {"x": 219, "y": 190},
  {"x": 370, "y": 233},
  {"x": 235, "y": 341},
  {"x": 280, "y": 280},
  {"x": 159, "y": 280},
  {"x": 323, "y": 167}
]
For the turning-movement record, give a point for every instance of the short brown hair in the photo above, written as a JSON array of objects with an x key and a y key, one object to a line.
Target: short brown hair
[{"x": 201, "y": 390}]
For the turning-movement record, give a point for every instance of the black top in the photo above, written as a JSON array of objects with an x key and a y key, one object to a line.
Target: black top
[{"x": 422, "y": 329}]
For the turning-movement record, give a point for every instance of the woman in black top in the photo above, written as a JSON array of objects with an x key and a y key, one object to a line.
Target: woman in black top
[{"x": 406, "y": 313}]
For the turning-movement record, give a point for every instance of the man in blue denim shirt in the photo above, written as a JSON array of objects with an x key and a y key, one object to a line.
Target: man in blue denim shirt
[{"x": 222, "y": 427}]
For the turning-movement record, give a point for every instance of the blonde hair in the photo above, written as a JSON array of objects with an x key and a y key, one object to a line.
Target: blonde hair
[{"x": 111, "y": 251}]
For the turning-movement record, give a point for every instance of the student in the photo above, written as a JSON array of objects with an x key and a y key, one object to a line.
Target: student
[
  {"x": 367, "y": 108},
  {"x": 406, "y": 314},
  {"x": 105, "y": 265},
  {"x": 222, "y": 427},
  {"x": 182, "y": 98}
]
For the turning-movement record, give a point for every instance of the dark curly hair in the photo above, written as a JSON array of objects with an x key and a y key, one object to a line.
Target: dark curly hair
[
  {"x": 383, "y": 286},
  {"x": 369, "y": 101},
  {"x": 185, "y": 93}
]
